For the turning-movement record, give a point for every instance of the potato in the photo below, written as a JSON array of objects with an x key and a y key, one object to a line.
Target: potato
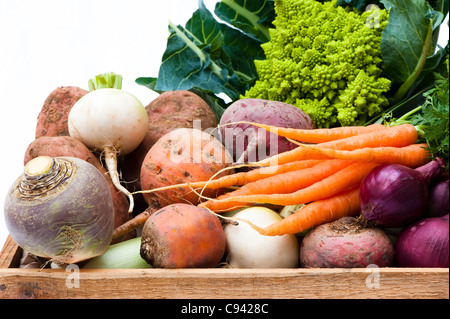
[
  {"x": 169, "y": 111},
  {"x": 52, "y": 120}
]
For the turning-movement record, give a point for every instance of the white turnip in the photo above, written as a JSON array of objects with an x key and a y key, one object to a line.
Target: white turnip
[
  {"x": 246, "y": 248},
  {"x": 61, "y": 209},
  {"x": 111, "y": 121}
]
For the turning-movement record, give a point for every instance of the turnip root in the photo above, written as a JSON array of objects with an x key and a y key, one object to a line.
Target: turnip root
[
  {"x": 248, "y": 143},
  {"x": 246, "y": 248},
  {"x": 61, "y": 209},
  {"x": 169, "y": 111},
  {"x": 346, "y": 243},
  {"x": 111, "y": 121},
  {"x": 182, "y": 236},
  {"x": 52, "y": 120},
  {"x": 63, "y": 146},
  {"x": 181, "y": 156}
]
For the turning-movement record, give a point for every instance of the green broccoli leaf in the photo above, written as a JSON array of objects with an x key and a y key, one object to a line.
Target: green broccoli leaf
[
  {"x": 252, "y": 17},
  {"x": 407, "y": 41}
]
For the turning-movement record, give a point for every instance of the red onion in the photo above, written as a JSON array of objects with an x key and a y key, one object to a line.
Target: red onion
[
  {"x": 394, "y": 195},
  {"x": 424, "y": 244},
  {"x": 438, "y": 199}
]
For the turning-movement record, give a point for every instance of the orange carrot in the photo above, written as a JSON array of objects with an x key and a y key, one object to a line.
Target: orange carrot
[
  {"x": 394, "y": 136},
  {"x": 316, "y": 213},
  {"x": 290, "y": 181},
  {"x": 340, "y": 181},
  {"x": 318, "y": 135},
  {"x": 242, "y": 178},
  {"x": 413, "y": 155}
]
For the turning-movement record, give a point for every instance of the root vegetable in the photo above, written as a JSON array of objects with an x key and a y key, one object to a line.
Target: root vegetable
[
  {"x": 346, "y": 243},
  {"x": 424, "y": 243},
  {"x": 438, "y": 198},
  {"x": 60, "y": 146},
  {"x": 248, "y": 143},
  {"x": 395, "y": 195},
  {"x": 52, "y": 119},
  {"x": 111, "y": 121},
  {"x": 182, "y": 155},
  {"x": 246, "y": 248},
  {"x": 169, "y": 111},
  {"x": 179, "y": 157},
  {"x": 60, "y": 208},
  {"x": 182, "y": 236}
]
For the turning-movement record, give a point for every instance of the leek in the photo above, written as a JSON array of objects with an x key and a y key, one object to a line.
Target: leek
[{"x": 123, "y": 255}]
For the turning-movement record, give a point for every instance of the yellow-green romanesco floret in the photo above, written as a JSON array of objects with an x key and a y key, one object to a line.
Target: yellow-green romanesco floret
[{"x": 326, "y": 60}]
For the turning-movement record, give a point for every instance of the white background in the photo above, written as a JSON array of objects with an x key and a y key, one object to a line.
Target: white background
[{"x": 50, "y": 43}]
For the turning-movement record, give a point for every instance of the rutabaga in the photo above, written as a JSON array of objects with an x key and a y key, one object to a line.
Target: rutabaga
[
  {"x": 60, "y": 208},
  {"x": 110, "y": 121}
]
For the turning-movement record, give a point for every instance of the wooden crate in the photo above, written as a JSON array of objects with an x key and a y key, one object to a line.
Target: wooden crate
[{"x": 383, "y": 283}]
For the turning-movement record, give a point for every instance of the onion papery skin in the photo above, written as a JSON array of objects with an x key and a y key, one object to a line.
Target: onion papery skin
[
  {"x": 438, "y": 199},
  {"x": 424, "y": 244},
  {"x": 393, "y": 196},
  {"x": 68, "y": 219}
]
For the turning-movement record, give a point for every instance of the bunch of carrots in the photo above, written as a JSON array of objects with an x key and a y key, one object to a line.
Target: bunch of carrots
[{"x": 324, "y": 172}]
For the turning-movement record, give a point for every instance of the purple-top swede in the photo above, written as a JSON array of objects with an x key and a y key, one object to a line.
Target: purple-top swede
[{"x": 61, "y": 209}]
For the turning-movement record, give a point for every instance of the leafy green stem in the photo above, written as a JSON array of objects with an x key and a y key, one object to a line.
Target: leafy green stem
[
  {"x": 250, "y": 16},
  {"x": 403, "y": 90},
  {"x": 107, "y": 80},
  {"x": 214, "y": 67}
]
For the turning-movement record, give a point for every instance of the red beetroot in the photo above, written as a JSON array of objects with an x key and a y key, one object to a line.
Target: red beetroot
[{"x": 346, "y": 243}]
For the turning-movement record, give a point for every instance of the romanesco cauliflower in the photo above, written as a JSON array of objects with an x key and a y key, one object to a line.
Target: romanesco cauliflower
[{"x": 326, "y": 60}]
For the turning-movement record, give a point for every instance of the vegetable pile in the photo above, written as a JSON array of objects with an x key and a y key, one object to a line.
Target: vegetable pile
[{"x": 336, "y": 132}]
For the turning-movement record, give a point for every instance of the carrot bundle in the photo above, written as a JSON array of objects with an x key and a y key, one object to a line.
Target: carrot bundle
[
  {"x": 395, "y": 136},
  {"x": 316, "y": 213},
  {"x": 325, "y": 175},
  {"x": 413, "y": 155},
  {"x": 343, "y": 179},
  {"x": 335, "y": 195},
  {"x": 320, "y": 135}
]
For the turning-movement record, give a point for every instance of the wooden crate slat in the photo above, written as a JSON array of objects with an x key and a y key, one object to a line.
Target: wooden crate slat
[
  {"x": 10, "y": 254},
  {"x": 224, "y": 283},
  {"x": 211, "y": 283}
]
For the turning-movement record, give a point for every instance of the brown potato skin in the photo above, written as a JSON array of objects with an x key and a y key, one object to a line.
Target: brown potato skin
[
  {"x": 52, "y": 119},
  {"x": 170, "y": 110},
  {"x": 56, "y": 146},
  {"x": 183, "y": 236},
  {"x": 164, "y": 166}
]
